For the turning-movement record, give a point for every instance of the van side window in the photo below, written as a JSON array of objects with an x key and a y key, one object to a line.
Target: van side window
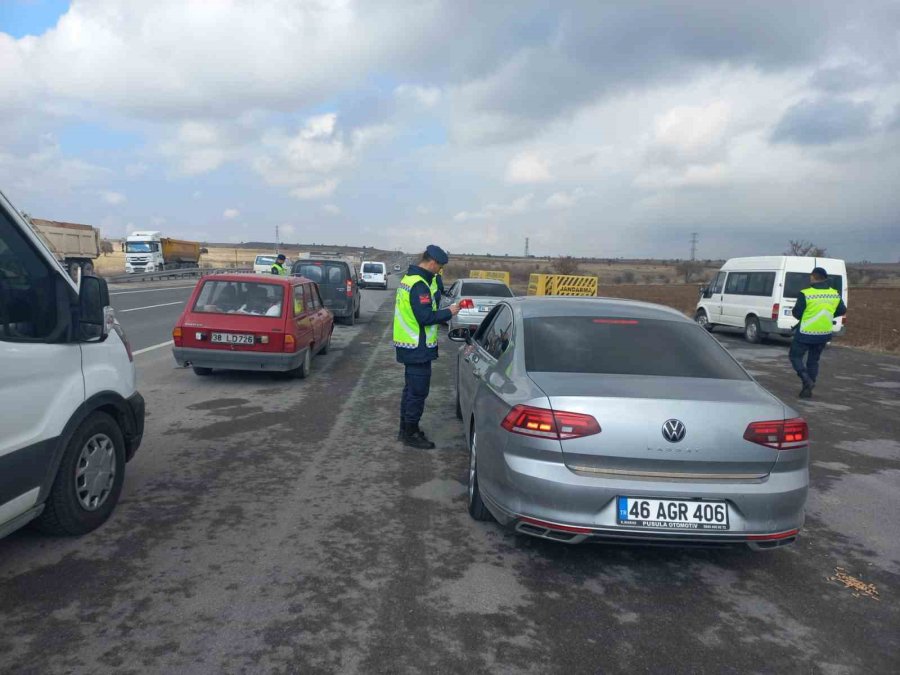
[
  {"x": 750, "y": 283},
  {"x": 28, "y": 309}
]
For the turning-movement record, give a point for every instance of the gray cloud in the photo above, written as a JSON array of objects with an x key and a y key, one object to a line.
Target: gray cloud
[{"x": 823, "y": 121}]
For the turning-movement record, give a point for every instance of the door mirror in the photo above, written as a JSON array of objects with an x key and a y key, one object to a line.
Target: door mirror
[
  {"x": 460, "y": 335},
  {"x": 95, "y": 316}
]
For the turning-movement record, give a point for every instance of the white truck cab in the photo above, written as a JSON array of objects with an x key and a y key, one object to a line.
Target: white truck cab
[
  {"x": 70, "y": 416},
  {"x": 758, "y": 294}
]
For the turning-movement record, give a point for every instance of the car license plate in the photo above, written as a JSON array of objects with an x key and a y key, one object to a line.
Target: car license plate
[
  {"x": 233, "y": 338},
  {"x": 671, "y": 514},
  {"x": 788, "y": 311},
  {"x": 484, "y": 308}
]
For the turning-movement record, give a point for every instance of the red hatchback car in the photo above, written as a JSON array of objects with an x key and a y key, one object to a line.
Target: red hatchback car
[{"x": 253, "y": 322}]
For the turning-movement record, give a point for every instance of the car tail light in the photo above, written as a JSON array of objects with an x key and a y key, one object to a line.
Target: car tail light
[
  {"x": 779, "y": 434},
  {"x": 544, "y": 423},
  {"x": 556, "y": 526},
  {"x": 290, "y": 344},
  {"x": 776, "y": 310},
  {"x": 349, "y": 288},
  {"x": 467, "y": 303},
  {"x": 176, "y": 336}
]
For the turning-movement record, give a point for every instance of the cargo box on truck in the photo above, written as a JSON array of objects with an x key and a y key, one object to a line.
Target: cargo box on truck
[{"x": 75, "y": 245}]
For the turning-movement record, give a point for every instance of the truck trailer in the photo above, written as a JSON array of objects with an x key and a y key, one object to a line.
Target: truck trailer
[
  {"x": 74, "y": 244},
  {"x": 151, "y": 252}
]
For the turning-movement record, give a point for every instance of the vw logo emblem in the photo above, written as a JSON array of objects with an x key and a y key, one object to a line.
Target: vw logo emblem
[{"x": 674, "y": 431}]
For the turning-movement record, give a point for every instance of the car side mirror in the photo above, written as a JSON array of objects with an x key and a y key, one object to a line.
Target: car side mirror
[
  {"x": 95, "y": 315},
  {"x": 460, "y": 335}
]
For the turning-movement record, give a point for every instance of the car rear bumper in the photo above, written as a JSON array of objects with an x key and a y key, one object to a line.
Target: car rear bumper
[
  {"x": 225, "y": 359},
  {"x": 466, "y": 319},
  {"x": 533, "y": 492}
]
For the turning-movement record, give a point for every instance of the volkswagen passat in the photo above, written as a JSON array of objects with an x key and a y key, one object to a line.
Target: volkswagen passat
[{"x": 612, "y": 420}]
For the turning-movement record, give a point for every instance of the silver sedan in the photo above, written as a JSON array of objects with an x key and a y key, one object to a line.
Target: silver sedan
[
  {"x": 620, "y": 421},
  {"x": 476, "y": 297}
]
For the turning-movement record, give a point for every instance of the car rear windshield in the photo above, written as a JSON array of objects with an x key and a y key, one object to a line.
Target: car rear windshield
[
  {"x": 373, "y": 268},
  {"x": 240, "y": 297},
  {"x": 479, "y": 290},
  {"x": 794, "y": 282},
  {"x": 323, "y": 272},
  {"x": 603, "y": 345}
]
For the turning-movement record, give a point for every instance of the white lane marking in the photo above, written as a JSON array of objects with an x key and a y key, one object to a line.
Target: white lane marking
[
  {"x": 151, "y": 290},
  {"x": 150, "y": 349},
  {"x": 134, "y": 309}
]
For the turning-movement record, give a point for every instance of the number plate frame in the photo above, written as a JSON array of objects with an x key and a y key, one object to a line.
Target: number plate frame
[
  {"x": 233, "y": 339},
  {"x": 624, "y": 518}
]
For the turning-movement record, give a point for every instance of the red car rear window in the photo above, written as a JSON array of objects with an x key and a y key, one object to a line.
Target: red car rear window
[{"x": 240, "y": 297}]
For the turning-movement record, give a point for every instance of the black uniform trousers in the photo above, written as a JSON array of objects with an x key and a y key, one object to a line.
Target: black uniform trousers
[{"x": 415, "y": 391}]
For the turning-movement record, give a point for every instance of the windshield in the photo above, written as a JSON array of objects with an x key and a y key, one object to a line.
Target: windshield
[
  {"x": 584, "y": 344},
  {"x": 322, "y": 272},
  {"x": 141, "y": 247},
  {"x": 265, "y": 260},
  {"x": 794, "y": 282},
  {"x": 240, "y": 297},
  {"x": 373, "y": 268},
  {"x": 482, "y": 290}
]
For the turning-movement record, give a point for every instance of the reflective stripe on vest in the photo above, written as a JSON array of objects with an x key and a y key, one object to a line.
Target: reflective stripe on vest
[
  {"x": 821, "y": 304},
  {"x": 406, "y": 327}
]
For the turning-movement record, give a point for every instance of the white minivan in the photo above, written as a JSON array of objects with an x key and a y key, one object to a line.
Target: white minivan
[
  {"x": 758, "y": 294},
  {"x": 70, "y": 417},
  {"x": 263, "y": 264},
  {"x": 373, "y": 274}
]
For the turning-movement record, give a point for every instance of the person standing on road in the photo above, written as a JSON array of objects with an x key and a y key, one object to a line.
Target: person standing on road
[
  {"x": 816, "y": 309},
  {"x": 279, "y": 268},
  {"x": 416, "y": 319}
]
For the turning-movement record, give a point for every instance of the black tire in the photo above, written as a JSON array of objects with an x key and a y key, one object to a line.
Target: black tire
[
  {"x": 350, "y": 320},
  {"x": 702, "y": 318},
  {"x": 477, "y": 509},
  {"x": 202, "y": 372},
  {"x": 752, "y": 332},
  {"x": 301, "y": 372},
  {"x": 64, "y": 513},
  {"x": 358, "y": 311},
  {"x": 87, "y": 268}
]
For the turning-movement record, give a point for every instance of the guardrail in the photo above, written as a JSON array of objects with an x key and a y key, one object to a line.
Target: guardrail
[{"x": 176, "y": 274}]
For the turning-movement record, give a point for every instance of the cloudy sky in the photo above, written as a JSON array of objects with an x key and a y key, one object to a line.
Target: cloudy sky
[{"x": 594, "y": 128}]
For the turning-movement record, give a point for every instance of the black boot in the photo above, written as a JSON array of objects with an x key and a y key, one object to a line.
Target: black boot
[
  {"x": 422, "y": 435},
  {"x": 412, "y": 439},
  {"x": 808, "y": 385}
]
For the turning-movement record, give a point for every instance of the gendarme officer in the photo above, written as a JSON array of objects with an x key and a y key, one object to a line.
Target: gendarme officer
[
  {"x": 416, "y": 319},
  {"x": 279, "y": 268},
  {"x": 816, "y": 309}
]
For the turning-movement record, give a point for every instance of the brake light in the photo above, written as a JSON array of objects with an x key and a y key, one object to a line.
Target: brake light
[
  {"x": 544, "y": 423},
  {"x": 555, "y": 526},
  {"x": 776, "y": 310},
  {"x": 618, "y": 322},
  {"x": 290, "y": 344},
  {"x": 176, "y": 336},
  {"x": 779, "y": 434},
  {"x": 467, "y": 303},
  {"x": 349, "y": 288}
]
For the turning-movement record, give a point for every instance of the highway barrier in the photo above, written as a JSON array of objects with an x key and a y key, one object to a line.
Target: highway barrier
[
  {"x": 175, "y": 274},
  {"x": 490, "y": 274},
  {"x": 562, "y": 284}
]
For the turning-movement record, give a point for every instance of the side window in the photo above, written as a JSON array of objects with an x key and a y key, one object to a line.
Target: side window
[
  {"x": 300, "y": 303},
  {"x": 27, "y": 288},
  {"x": 719, "y": 283},
  {"x": 737, "y": 283},
  {"x": 497, "y": 337},
  {"x": 761, "y": 283},
  {"x": 315, "y": 300}
]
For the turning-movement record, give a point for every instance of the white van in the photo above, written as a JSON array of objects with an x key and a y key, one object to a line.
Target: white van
[
  {"x": 70, "y": 417},
  {"x": 758, "y": 294},
  {"x": 373, "y": 274},
  {"x": 263, "y": 264}
]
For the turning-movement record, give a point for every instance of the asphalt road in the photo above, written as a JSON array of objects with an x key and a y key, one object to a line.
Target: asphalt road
[{"x": 273, "y": 525}]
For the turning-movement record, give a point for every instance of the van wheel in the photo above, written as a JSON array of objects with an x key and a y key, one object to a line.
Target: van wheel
[
  {"x": 202, "y": 372},
  {"x": 358, "y": 311},
  {"x": 703, "y": 319},
  {"x": 477, "y": 509},
  {"x": 752, "y": 332},
  {"x": 89, "y": 480},
  {"x": 350, "y": 320},
  {"x": 301, "y": 372}
]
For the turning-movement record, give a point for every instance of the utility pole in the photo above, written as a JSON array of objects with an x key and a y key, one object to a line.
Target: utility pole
[
  {"x": 276, "y": 240},
  {"x": 693, "y": 246},
  {"x": 526, "y": 247}
]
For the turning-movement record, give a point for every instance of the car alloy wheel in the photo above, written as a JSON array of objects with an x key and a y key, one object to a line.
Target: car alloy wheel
[{"x": 95, "y": 472}]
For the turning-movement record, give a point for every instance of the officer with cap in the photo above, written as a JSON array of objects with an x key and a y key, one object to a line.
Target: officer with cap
[
  {"x": 416, "y": 319},
  {"x": 279, "y": 268},
  {"x": 816, "y": 309}
]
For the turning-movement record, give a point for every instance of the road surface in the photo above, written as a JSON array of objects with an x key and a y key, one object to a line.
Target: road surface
[{"x": 275, "y": 525}]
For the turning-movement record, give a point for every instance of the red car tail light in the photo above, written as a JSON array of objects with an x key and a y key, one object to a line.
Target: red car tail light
[
  {"x": 176, "y": 336},
  {"x": 290, "y": 344},
  {"x": 467, "y": 303},
  {"x": 776, "y": 310},
  {"x": 544, "y": 423},
  {"x": 779, "y": 434}
]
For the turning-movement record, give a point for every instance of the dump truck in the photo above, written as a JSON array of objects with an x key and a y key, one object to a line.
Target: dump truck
[
  {"x": 151, "y": 252},
  {"x": 74, "y": 244}
]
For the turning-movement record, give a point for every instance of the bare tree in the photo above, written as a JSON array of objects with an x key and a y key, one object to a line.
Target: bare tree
[
  {"x": 688, "y": 269},
  {"x": 805, "y": 249},
  {"x": 106, "y": 247},
  {"x": 565, "y": 265}
]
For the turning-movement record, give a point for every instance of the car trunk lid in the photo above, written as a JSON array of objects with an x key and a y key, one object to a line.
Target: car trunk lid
[{"x": 632, "y": 412}]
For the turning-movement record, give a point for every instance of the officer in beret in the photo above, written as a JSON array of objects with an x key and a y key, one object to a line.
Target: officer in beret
[{"x": 416, "y": 319}]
